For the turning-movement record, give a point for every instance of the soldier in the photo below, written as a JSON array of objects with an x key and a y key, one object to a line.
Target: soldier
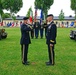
[
  {"x": 51, "y": 39},
  {"x": 25, "y": 40},
  {"x": 20, "y": 23},
  {"x": 45, "y": 27},
  {"x": 36, "y": 27},
  {"x": 32, "y": 31},
  {"x": 41, "y": 30}
]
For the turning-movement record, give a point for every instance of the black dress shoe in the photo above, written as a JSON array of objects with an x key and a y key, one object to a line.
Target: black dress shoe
[
  {"x": 25, "y": 63},
  {"x": 49, "y": 64}
]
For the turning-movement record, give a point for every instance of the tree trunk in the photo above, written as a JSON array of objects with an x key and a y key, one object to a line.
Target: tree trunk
[
  {"x": 0, "y": 18},
  {"x": 45, "y": 14},
  {"x": 44, "y": 17},
  {"x": 75, "y": 14}
]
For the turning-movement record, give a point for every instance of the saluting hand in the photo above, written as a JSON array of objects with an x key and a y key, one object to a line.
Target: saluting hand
[{"x": 29, "y": 22}]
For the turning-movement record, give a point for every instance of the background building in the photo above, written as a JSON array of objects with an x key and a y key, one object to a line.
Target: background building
[{"x": 67, "y": 22}]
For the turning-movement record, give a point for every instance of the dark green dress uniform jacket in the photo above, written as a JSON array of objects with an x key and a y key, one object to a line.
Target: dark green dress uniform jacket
[
  {"x": 25, "y": 38},
  {"x": 51, "y": 33}
]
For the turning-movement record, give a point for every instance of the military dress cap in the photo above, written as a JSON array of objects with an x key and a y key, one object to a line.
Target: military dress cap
[
  {"x": 50, "y": 15},
  {"x": 25, "y": 18}
]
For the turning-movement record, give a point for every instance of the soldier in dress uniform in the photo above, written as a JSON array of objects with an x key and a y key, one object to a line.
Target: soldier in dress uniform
[
  {"x": 25, "y": 40},
  {"x": 32, "y": 31},
  {"x": 36, "y": 27},
  {"x": 41, "y": 30},
  {"x": 51, "y": 39},
  {"x": 45, "y": 27}
]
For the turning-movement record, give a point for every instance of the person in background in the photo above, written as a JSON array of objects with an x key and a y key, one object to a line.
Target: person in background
[
  {"x": 45, "y": 27},
  {"x": 32, "y": 31},
  {"x": 41, "y": 30},
  {"x": 21, "y": 23},
  {"x": 36, "y": 27}
]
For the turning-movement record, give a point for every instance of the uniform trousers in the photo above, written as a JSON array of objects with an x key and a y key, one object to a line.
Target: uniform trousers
[
  {"x": 51, "y": 54},
  {"x": 41, "y": 33},
  {"x": 24, "y": 52},
  {"x": 36, "y": 33}
]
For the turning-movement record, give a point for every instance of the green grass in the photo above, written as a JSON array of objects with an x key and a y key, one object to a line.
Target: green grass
[{"x": 10, "y": 55}]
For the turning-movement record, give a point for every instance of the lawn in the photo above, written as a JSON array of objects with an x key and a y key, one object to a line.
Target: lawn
[{"x": 65, "y": 55}]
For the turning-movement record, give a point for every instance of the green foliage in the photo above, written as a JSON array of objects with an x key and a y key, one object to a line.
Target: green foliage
[
  {"x": 10, "y": 55},
  {"x": 44, "y": 5},
  {"x": 29, "y": 11},
  {"x": 73, "y": 6},
  {"x": 61, "y": 15},
  {"x": 6, "y": 15},
  {"x": 14, "y": 17},
  {"x": 12, "y": 5},
  {"x": 1, "y": 10}
]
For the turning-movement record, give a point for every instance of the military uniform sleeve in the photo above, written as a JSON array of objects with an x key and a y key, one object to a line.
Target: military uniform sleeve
[
  {"x": 53, "y": 34},
  {"x": 25, "y": 28}
]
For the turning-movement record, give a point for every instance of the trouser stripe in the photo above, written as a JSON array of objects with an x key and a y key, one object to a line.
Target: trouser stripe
[
  {"x": 23, "y": 52},
  {"x": 51, "y": 54}
]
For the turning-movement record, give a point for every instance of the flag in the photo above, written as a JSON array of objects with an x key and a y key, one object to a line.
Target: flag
[
  {"x": 31, "y": 16},
  {"x": 35, "y": 17},
  {"x": 41, "y": 17}
]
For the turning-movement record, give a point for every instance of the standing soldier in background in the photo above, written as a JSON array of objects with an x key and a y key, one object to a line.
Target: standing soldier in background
[
  {"x": 20, "y": 23},
  {"x": 41, "y": 30},
  {"x": 32, "y": 31},
  {"x": 36, "y": 27},
  {"x": 51, "y": 39},
  {"x": 25, "y": 40},
  {"x": 45, "y": 27}
]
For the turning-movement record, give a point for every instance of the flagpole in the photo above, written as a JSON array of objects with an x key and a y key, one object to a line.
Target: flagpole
[{"x": 35, "y": 17}]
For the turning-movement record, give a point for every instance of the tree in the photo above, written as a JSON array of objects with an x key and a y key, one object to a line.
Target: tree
[
  {"x": 73, "y": 6},
  {"x": 12, "y": 5},
  {"x": 13, "y": 17},
  {"x": 28, "y": 12},
  {"x": 44, "y": 5},
  {"x": 61, "y": 15},
  {"x": 1, "y": 10},
  {"x": 6, "y": 15}
]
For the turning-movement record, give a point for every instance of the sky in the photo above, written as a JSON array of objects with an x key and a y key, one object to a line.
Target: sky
[{"x": 54, "y": 9}]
